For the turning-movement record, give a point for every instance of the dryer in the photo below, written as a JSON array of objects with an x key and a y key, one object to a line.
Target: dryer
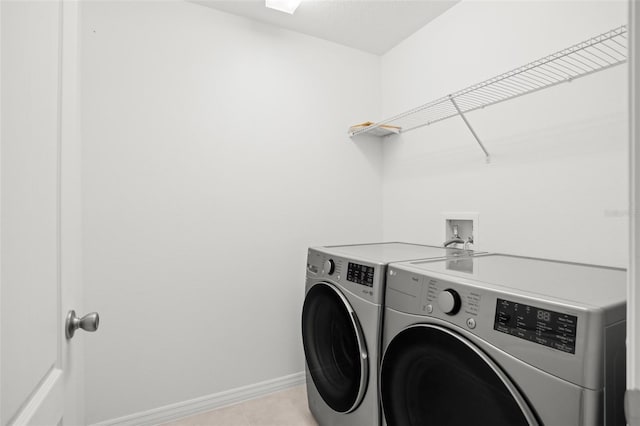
[
  {"x": 341, "y": 326},
  {"x": 503, "y": 340}
]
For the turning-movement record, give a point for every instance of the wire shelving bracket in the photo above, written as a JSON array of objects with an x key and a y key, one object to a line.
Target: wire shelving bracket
[{"x": 596, "y": 54}]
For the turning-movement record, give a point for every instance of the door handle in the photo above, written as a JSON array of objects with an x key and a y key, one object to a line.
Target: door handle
[{"x": 88, "y": 322}]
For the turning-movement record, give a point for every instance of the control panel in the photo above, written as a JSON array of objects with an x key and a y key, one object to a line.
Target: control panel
[
  {"x": 542, "y": 326},
  {"x": 360, "y": 274}
]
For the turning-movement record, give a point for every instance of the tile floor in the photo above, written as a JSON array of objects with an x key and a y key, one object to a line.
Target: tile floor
[{"x": 284, "y": 408}]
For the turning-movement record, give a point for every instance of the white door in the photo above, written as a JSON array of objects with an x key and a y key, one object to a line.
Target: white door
[
  {"x": 633, "y": 294},
  {"x": 40, "y": 213}
]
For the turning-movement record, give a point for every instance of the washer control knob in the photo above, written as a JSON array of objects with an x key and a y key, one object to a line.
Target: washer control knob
[
  {"x": 449, "y": 301},
  {"x": 329, "y": 266}
]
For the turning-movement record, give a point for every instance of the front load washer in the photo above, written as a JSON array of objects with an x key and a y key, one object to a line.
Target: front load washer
[
  {"x": 503, "y": 340},
  {"x": 341, "y": 326}
]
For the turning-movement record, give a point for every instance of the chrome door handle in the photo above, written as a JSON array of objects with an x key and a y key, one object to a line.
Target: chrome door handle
[{"x": 88, "y": 322}]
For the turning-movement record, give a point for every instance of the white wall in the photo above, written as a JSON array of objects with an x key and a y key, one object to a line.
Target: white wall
[
  {"x": 215, "y": 153},
  {"x": 557, "y": 183}
]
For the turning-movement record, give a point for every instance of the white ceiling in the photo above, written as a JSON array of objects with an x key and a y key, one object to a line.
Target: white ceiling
[{"x": 374, "y": 26}]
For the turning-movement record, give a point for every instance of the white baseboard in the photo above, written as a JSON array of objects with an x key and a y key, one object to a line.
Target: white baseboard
[{"x": 206, "y": 403}]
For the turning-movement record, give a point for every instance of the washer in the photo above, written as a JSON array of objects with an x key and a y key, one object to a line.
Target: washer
[
  {"x": 341, "y": 326},
  {"x": 503, "y": 340}
]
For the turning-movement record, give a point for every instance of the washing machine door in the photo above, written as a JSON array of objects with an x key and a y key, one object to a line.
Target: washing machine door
[
  {"x": 433, "y": 376},
  {"x": 334, "y": 348}
]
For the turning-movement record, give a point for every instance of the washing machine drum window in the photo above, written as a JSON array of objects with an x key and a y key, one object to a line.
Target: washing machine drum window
[
  {"x": 334, "y": 348},
  {"x": 432, "y": 376}
]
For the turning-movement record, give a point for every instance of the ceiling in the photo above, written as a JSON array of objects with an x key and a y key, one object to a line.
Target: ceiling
[{"x": 373, "y": 26}]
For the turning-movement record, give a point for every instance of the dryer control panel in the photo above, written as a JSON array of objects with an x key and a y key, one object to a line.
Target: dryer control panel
[
  {"x": 490, "y": 313},
  {"x": 543, "y": 326}
]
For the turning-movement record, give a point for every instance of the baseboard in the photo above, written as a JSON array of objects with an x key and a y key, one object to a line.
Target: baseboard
[{"x": 206, "y": 403}]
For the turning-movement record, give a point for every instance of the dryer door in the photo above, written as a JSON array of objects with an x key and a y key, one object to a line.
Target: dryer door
[
  {"x": 433, "y": 376},
  {"x": 334, "y": 348}
]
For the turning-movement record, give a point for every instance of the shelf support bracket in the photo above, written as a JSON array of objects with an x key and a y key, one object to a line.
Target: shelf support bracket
[{"x": 486, "y": 153}]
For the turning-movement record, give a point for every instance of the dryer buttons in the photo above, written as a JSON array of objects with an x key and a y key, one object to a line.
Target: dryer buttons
[
  {"x": 471, "y": 323},
  {"x": 429, "y": 309}
]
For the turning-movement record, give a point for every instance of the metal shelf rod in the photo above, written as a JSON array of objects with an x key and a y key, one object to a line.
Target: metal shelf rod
[{"x": 486, "y": 153}]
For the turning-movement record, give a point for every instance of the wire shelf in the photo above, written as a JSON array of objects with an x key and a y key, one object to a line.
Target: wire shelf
[{"x": 598, "y": 53}]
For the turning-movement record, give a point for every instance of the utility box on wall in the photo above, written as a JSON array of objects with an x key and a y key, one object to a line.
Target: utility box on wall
[{"x": 461, "y": 229}]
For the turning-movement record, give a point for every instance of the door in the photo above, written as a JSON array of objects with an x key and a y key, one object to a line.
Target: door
[
  {"x": 432, "y": 376},
  {"x": 40, "y": 263},
  {"x": 632, "y": 398},
  {"x": 334, "y": 348}
]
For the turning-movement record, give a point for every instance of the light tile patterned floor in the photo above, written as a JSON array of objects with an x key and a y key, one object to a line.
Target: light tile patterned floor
[{"x": 285, "y": 408}]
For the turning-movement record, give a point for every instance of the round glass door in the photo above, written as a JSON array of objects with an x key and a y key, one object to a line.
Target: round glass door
[
  {"x": 334, "y": 348},
  {"x": 432, "y": 376}
]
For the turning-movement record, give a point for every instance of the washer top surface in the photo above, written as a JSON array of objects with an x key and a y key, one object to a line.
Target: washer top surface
[
  {"x": 384, "y": 253},
  {"x": 592, "y": 285}
]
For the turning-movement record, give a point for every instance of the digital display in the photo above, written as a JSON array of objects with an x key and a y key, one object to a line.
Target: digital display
[
  {"x": 542, "y": 326},
  {"x": 360, "y": 274}
]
